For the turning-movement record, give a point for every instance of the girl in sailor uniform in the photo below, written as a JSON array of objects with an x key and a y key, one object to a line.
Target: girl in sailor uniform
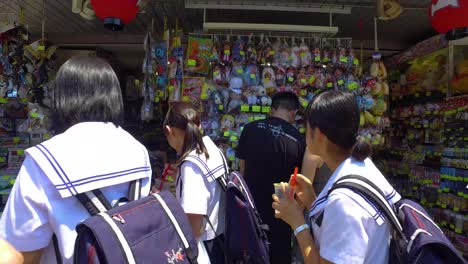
[
  {"x": 342, "y": 227},
  {"x": 198, "y": 190}
]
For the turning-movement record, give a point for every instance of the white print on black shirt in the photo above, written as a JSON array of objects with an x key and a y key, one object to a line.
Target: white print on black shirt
[
  {"x": 441, "y": 4},
  {"x": 276, "y": 131}
]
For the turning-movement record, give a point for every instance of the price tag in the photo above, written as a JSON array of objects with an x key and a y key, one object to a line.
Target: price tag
[
  {"x": 302, "y": 130},
  {"x": 452, "y": 226},
  {"x": 416, "y": 95},
  {"x": 185, "y": 99},
  {"x": 443, "y": 206},
  {"x": 456, "y": 209},
  {"x": 232, "y": 158},
  {"x": 340, "y": 82},
  {"x": 226, "y": 133},
  {"x": 272, "y": 52},
  {"x": 305, "y": 103},
  {"x": 6, "y": 177},
  {"x": 41, "y": 48},
  {"x": 156, "y": 99},
  {"x": 160, "y": 93},
  {"x": 12, "y": 181},
  {"x": 458, "y": 230},
  {"x": 303, "y": 54},
  {"x": 353, "y": 86},
  {"x": 240, "y": 71},
  {"x": 256, "y": 109},
  {"x": 291, "y": 79},
  {"x": 261, "y": 117},
  {"x": 355, "y": 61},
  {"x": 461, "y": 109},
  {"x": 343, "y": 59},
  {"x": 266, "y": 109},
  {"x": 2, "y": 159},
  {"x": 227, "y": 52},
  {"x": 245, "y": 108},
  {"x": 216, "y": 73},
  {"x": 303, "y": 81},
  {"x": 20, "y": 152},
  {"x": 303, "y": 92},
  {"x": 221, "y": 107},
  {"x": 317, "y": 59},
  {"x": 242, "y": 53},
  {"x": 3, "y": 100},
  {"x": 24, "y": 100},
  {"x": 253, "y": 76},
  {"x": 16, "y": 140},
  {"x": 311, "y": 80},
  {"x": 204, "y": 96},
  {"x": 251, "y": 118},
  {"x": 326, "y": 59},
  {"x": 330, "y": 85},
  {"x": 170, "y": 88},
  {"x": 191, "y": 62},
  {"x": 233, "y": 138},
  {"x": 428, "y": 93}
]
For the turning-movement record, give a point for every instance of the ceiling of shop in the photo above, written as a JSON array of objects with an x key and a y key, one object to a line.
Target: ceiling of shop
[{"x": 71, "y": 30}]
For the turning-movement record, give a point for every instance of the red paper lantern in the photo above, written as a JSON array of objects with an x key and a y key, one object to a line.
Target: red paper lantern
[
  {"x": 448, "y": 15},
  {"x": 115, "y": 13}
]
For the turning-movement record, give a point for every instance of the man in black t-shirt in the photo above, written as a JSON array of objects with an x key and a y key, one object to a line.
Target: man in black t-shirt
[{"x": 268, "y": 152}]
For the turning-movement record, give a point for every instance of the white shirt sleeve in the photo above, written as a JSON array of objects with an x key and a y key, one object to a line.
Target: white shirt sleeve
[
  {"x": 194, "y": 196},
  {"x": 25, "y": 221},
  {"x": 343, "y": 237}
]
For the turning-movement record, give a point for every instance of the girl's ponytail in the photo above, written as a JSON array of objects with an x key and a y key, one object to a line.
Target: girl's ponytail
[{"x": 361, "y": 150}]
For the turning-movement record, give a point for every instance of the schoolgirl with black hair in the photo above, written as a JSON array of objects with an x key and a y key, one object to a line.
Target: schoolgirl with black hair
[
  {"x": 345, "y": 227},
  {"x": 198, "y": 191}
]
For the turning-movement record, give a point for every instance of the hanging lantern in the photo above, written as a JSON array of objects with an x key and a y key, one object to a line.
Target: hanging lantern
[
  {"x": 449, "y": 17},
  {"x": 115, "y": 13}
]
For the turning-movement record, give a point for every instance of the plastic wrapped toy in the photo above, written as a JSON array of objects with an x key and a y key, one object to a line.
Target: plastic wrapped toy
[
  {"x": 295, "y": 55},
  {"x": 305, "y": 55},
  {"x": 251, "y": 75},
  {"x": 227, "y": 123},
  {"x": 265, "y": 100},
  {"x": 268, "y": 80},
  {"x": 285, "y": 56},
  {"x": 238, "y": 53}
]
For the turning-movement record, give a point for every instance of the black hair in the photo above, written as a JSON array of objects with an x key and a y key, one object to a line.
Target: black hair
[
  {"x": 184, "y": 116},
  {"x": 285, "y": 100},
  {"x": 86, "y": 89},
  {"x": 336, "y": 114}
]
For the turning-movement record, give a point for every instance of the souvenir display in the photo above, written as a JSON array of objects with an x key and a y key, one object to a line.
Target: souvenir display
[{"x": 26, "y": 73}]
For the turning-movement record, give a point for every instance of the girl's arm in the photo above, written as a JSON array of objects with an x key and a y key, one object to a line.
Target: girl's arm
[{"x": 196, "y": 221}]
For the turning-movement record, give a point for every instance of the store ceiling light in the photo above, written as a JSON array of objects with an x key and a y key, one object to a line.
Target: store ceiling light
[
  {"x": 268, "y": 6},
  {"x": 215, "y": 26}
]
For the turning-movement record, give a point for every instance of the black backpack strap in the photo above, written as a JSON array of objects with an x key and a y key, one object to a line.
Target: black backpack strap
[
  {"x": 374, "y": 195},
  {"x": 58, "y": 256}
]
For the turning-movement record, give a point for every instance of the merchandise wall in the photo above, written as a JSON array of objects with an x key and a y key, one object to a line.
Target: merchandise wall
[
  {"x": 231, "y": 81},
  {"x": 426, "y": 156},
  {"x": 25, "y": 71}
]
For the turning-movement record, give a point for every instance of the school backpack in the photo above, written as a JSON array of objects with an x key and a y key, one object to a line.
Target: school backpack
[
  {"x": 153, "y": 229},
  {"x": 245, "y": 236},
  {"x": 416, "y": 239}
]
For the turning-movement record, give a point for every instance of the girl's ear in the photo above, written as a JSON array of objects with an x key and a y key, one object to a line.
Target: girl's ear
[{"x": 169, "y": 131}]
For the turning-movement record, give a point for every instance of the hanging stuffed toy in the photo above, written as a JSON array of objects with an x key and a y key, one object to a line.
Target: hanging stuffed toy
[
  {"x": 326, "y": 60},
  {"x": 305, "y": 55},
  {"x": 268, "y": 80},
  {"x": 237, "y": 70},
  {"x": 342, "y": 58},
  {"x": 352, "y": 85},
  {"x": 290, "y": 76},
  {"x": 227, "y": 123},
  {"x": 251, "y": 95},
  {"x": 251, "y": 75},
  {"x": 265, "y": 100},
  {"x": 260, "y": 49},
  {"x": 353, "y": 61},
  {"x": 295, "y": 55},
  {"x": 214, "y": 57},
  {"x": 311, "y": 78},
  {"x": 317, "y": 57},
  {"x": 285, "y": 56},
  {"x": 277, "y": 51},
  {"x": 302, "y": 78},
  {"x": 238, "y": 52},
  {"x": 226, "y": 53},
  {"x": 340, "y": 79},
  {"x": 218, "y": 74},
  {"x": 280, "y": 76},
  {"x": 334, "y": 53},
  {"x": 226, "y": 74},
  {"x": 329, "y": 81},
  {"x": 235, "y": 85},
  {"x": 251, "y": 51},
  {"x": 268, "y": 53}
]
